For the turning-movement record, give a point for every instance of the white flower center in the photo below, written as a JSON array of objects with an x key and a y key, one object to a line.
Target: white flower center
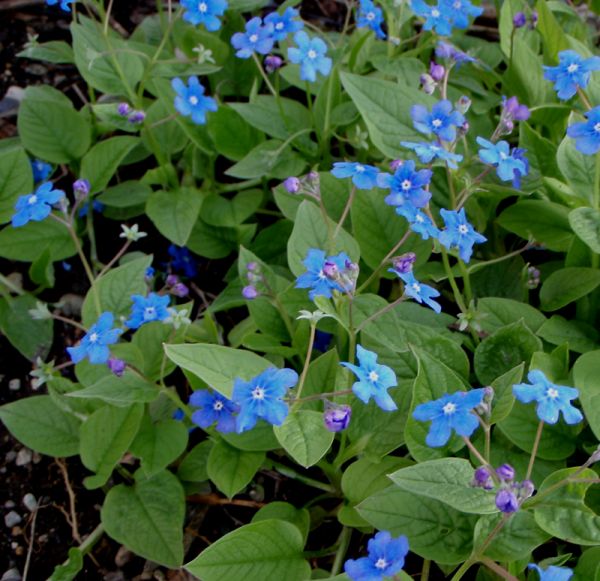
[
  {"x": 149, "y": 312},
  {"x": 258, "y": 393},
  {"x": 463, "y": 229},
  {"x": 416, "y": 287},
  {"x": 32, "y": 200},
  {"x": 449, "y": 408},
  {"x": 435, "y": 13},
  {"x": 437, "y": 123},
  {"x": 359, "y": 168},
  {"x": 370, "y": 15},
  {"x": 381, "y": 563},
  {"x": 253, "y": 38},
  {"x": 419, "y": 218},
  {"x": 202, "y": 7},
  {"x": 93, "y": 337},
  {"x": 218, "y": 406},
  {"x": 597, "y": 127},
  {"x": 457, "y": 5},
  {"x": 373, "y": 376},
  {"x": 572, "y": 68},
  {"x": 193, "y": 100},
  {"x": 552, "y": 393},
  {"x": 503, "y": 156},
  {"x": 322, "y": 275},
  {"x": 312, "y": 54},
  {"x": 279, "y": 26},
  {"x": 406, "y": 185}
]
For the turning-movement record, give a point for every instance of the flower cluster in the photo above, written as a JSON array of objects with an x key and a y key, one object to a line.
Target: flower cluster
[
  {"x": 446, "y": 14},
  {"x": 204, "y": 12},
  {"x": 385, "y": 558},
  {"x": 255, "y": 278},
  {"x": 370, "y": 16},
  {"x": 325, "y": 274}
]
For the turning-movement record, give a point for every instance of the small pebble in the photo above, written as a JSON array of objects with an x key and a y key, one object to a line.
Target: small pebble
[
  {"x": 11, "y": 575},
  {"x": 10, "y": 456},
  {"x": 14, "y": 384},
  {"x": 24, "y": 457},
  {"x": 11, "y": 519},
  {"x": 9, "y": 504},
  {"x": 30, "y": 502},
  {"x": 123, "y": 556}
]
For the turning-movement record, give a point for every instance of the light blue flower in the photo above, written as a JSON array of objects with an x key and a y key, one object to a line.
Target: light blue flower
[
  {"x": 551, "y": 399},
  {"x": 37, "y": 206},
  {"x": 190, "y": 100},
  {"x": 442, "y": 121},
  {"x": 451, "y": 412},
  {"x": 315, "y": 277},
  {"x": 284, "y": 24},
  {"x": 205, "y": 12},
  {"x": 552, "y": 573},
  {"x": 257, "y": 38},
  {"x": 364, "y": 177},
  {"x": 587, "y": 133},
  {"x": 95, "y": 343},
  {"x": 310, "y": 55},
  {"x": 422, "y": 224},
  {"x": 64, "y": 4},
  {"x": 386, "y": 558},
  {"x": 406, "y": 185},
  {"x": 437, "y": 17},
  {"x": 414, "y": 289},
  {"x": 500, "y": 156},
  {"x": 370, "y": 16},
  {"x": 573, "y": 71},
  {"x": 148, "y": 309},
  {"x": 40, "y": 169},
  {"x": 458, "y": 233},
  {"x": 427, "y": 152},
  {"x": 261, "y": 397},
  {"x": 214, "y": 408},
  {"x": 459, "y": 11},
  {"x": 373, "y": 379}
]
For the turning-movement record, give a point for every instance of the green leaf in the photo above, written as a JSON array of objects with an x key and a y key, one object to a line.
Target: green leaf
[
  {"x": 216, "y": 365},
  {"x": 68, "y": 571},
  {"x": 304, "y": 437},
  {"x": 385, "y": 108},
  {"x": 50, "y": 127},
  {"x": 55, "y": 51},
  {"x": 175, "y": 213},
  {"x": 588, "y": 566},
  {"x": 148, "y": 518},
  {"x": 449, "y": 481},
  {"x": 101, "y": 162},
  {"x": 504, "y": 399},
  {"x": 232, "y": 136},
  {"x": 273, "y": 158},
  {"x": 567, "y": 285},
  {"x": 586, "y": 224},
  {"x": 525, "y": 73},
  {"x": 499, "y": 312},
  {"x": 270, "y": 549},
  {"x": 564, "y": 514},
  {"x": 586, "y": 376},
  {"x": 16, "y": 179},
  {"x": 578, "y": 168},
  {"x": 259, "y": 439},
  {"x": 115, "y": 289},
  {"x": 126, "y": 195},
  {"x": 232, "y": 470},
  {"x": 300, "y": 517},
  {"x": 555, "y": 40},
  {"x": 105, "y": 436},
  {"x": 40, "y": 425},
  {"x": 580, "y": 337},
  {"x": 219, "y": 211},
  {"x": 194, "y": 467},
  {"x": 504, "y": 349}
]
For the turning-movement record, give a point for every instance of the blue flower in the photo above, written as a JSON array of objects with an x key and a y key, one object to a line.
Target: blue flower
[
  {"x": 256, "y": 38},
  {"x": 421, "y": 224},
  {"x": 36, "y": 206},
  {"x": 519, "y": 154},
  {"x": 441, "y": 121},
  {"x": 64, "y": 4},
  {"x": 315, "y": 278},
  {"x": 41, "y": 170},
  {"x": 373, "y": 379},
  {"x": 459, "y": 233},
  {"x": 183, "y": 261},
  {"x": 94, "y": 345},
  {"x": 551, "y": 399},
  {"x": 451, "y": 412},
  {"x": 427, "y": 152},
  {"x": 322, "y": 340},
  {"x": 573, "y": 71},
  {"x": 148, "y": 309},
  {"x": 310, "y": 55},
  {"x": 422, "y": 293},
  {"x": 406, "y": 185},
  {"x": 204, "y": 12},
  {"x": 587, "y": 133},
  {"x": 284, "y": 24},
  {"x": 190, "y": 100},
  {"x": 214, "y": 408},
  {"x": 96, "y": 207},
  {"x": 437, "y": 17},
  {"x": 458, "y": 11},
  {"x": 364, "y": 177},
  {"x": 444, "y": 50},
  {"x": 552, "y": 573},
  {"x": 261, "y": 397},
  {"x": 386, "y": 558},
  {"x": 370, "y": 16},
  {"x": 508, "y": 167}
]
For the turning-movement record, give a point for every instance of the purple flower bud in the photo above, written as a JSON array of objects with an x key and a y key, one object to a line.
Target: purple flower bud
[
  {"x": 180, "y": 290},
  {"x": 404, "y": 263},
  {"x": 117, "y": 366},
  {"x": 330, "y": 270},
  {"x": 81, "y": 188},
  {"x": 351, "y": 266},
  {"x": 272, "y": 63},
  {"x": 249, "y": 292},
  {"x": 483, "y": 478},
  {"x": 505, "y": 472},
  {"x": 252, "y": 266},
  {"x": 313, "y": 176},
  {"x": 337, "y": 418},
  {"x": 526, "y": 489},
  {"x": 172, "y": 280},
  {"x": 534, "y": 19},
  {"x": 395, "y": 164},
  {"x": 428, "y": 83},
  {"x": 463, "y": 104},
  {"x": 292, "y": 185},
  {"x": 436, "y": 71},
  {"x": 137, "y": 117},
  {"x": 519, "y": 20},
  {"x": 506, "y": 501},
  {"x": 444, "y": 50},
  {"x": 514, "y": 110},
  {"x": 123, "y": 109}
]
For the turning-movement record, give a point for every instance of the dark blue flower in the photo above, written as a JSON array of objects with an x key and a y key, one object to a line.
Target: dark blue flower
[
  {"x": 204, "y": 12},
  {"x": 95, "y": 343},
  {"x": 257, "y": 38},
  {"x": 551, "y": 399},
  {"x": 373, "y": 379},
  {"x": 587, "y": 133},
  {"x": 406, "y": 185},
  {"x": 459, "y": 233},
  {"x": 182, "y": 261},
  {"x": 214, "y": 408},
  {"x": 459, "y": 11},
  {"x": 64, "y": 4},
  {"x": 573, "y": 71},
  {"x": 310, "y": 55},
  {"x": 552, "y": 573},
  {"x": 500, "y": 156},
  {"x": 36, "y": 206},
  {"x": 261, "y": 397},
  {"x": 414, "y": 289},
  {"x": 148, "y": 309},
  {"x": 506, "y": 501},
  {"x": 427, "y": 152},
  {"x": 437, "y": 17},
  {"x": 284, "y": 24},
  {"x": 41, "y": 170},
  {"x": 315, "y": 277},
  {"x": 386, "y": 558},
  {"x": 190, "y": 100},
  {"x": 364, "y": 177},
  {"x": 450, "y": 412},
  {"x": 442, "y": 121},
  {"x": 519, "y": 154},
  {"x": 322, "y": 341},
  {"x": 370, "y": 16}
]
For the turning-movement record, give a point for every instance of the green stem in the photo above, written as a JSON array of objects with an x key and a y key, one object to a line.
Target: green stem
[
  {"x": 466, "y": 281},
  {"x": 425, "y": 570},
  {"x": 477, "y": 454},
  {"x": 311, "y": 342},
  {"x": 115, "y": 258},
  {"x": 344, "y": 541},
  {"x": 457, "y": 294},
  {"x": 596, "y": 205},
  {"x": 172, "y": 395},
  {"x": 493, "y": 566},
  {"x": 291, "y": 473},
  {"x": 536, "y": 443},
  {"x": 345, "y": 212},
  {"x": 265, "y": 77},
  {"x": 380, "y": 312}
]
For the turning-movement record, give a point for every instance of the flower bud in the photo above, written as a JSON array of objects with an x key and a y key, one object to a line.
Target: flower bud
[
  {"x": 123, "y": 109},
  {"x": 117, "y": 366},
  {"x": 172, "y": 280},
  {"x": 395, "y": 164},
  {"x": 463, "y": 104},
  {"x": 404, "y": 263},
  {"x": 436, "y": 71},
  {"x": 482, "y": 478},
  {"x": 526, "y": 489},
  {"x": 337, "y": 418},
  {"x": 81, "y": 188},
  {"x": 252, "y": 266},
  {"x": 272, "y": 63},
  {"x": 506, "y": 501},
  {"x": 534, "y": 19},
  {"x": 519, "y": 20},
  {"x": 292, "y": 185},
  {"x": 249, "y": 292},
  {"x": 428, "y": 83},
  {"x": 180, "y": 290},
  {"x": 506, "y": 472},
  {"x": 137, "y": 117}
]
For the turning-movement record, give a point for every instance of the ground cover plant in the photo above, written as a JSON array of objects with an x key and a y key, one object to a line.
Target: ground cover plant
[{"x": 396, "y": 370}]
